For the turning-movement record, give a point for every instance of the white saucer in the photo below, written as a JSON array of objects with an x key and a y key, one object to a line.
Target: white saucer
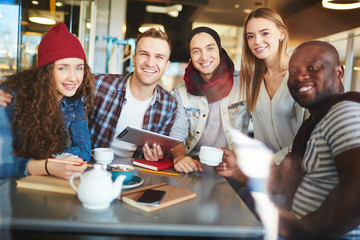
[
  {"x": 135, "y": 182},
  {"x": 213, "y": 164}
]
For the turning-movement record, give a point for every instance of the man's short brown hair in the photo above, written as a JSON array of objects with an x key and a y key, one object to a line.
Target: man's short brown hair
[{"x": 154, "y": 33}]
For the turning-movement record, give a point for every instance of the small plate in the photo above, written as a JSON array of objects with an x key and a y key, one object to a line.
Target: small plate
[{"x": 135, "y": 182}]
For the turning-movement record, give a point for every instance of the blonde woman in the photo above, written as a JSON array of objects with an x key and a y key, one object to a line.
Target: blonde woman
[{"x": 276, "y": 116}]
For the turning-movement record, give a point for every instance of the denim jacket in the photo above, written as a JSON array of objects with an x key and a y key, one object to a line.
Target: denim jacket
[
  {"x": 74, "y": 122},
  {"x": 193, "y": 110}
]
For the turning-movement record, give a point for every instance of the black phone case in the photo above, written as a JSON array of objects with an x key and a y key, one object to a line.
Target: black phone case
[{"x": 151, "y": 197}]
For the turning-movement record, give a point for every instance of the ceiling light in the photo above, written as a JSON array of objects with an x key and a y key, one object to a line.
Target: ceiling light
[
  {"x": 145, "y": 26},
  {"x": 42, "y": 20},
  {"x": 236, "y": 5},
  {"x": 340, "y": 5},
  {"x": 59, "y": 4},
  {"x": 35, "y": 2},
  {"x": 45, "y": 17},
  {"x": 247, "y": 10},
  {"x": 172, "y": 11}
]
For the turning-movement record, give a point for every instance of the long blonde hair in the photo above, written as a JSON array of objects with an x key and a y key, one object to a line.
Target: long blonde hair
[{"x": 253, "y": 69}]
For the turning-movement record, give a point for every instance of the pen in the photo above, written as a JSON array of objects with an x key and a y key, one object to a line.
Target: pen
[
  {"x": 66, "y": 162},
  {"x": 165, "y": 173}
]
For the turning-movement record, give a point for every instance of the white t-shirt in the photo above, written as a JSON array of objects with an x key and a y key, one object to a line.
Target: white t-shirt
[
  {"x": 213, "y": 134},
  {"x": 132, "y": 114}
]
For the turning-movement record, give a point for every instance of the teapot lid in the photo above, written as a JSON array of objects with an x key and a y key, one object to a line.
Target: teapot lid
[{"x": 98, "y": 171}]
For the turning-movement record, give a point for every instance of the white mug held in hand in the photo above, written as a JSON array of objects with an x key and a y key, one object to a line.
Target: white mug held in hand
[
  {"x": 210, "y": 156},
  {"x": 103, "y": 155}
]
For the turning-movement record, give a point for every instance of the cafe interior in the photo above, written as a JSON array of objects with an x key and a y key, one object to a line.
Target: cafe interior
[{"x": 107, "y": 30}]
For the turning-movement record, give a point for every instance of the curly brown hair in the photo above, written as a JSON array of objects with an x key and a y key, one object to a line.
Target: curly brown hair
[{"x": 37, "y": 118}]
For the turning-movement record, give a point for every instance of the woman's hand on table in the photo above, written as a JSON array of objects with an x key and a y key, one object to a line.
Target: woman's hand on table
[
  {"x": 66, "y": 170},
  {"x": 152, "y": 154},
  {"x": 61, "y": 170},
  {"x": 187, "y": 164}
]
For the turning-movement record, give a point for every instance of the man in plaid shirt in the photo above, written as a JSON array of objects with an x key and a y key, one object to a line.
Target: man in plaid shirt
[{"x": 134, "y": 99}]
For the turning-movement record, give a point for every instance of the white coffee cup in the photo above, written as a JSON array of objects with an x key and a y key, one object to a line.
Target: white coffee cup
[
  {"x": 103, "y": 155},
  {"x": 210, "y": 156}
]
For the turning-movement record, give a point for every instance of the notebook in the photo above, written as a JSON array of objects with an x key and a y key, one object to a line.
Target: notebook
[
  {"x": 173, "y": 195},
  {"x": 47, "y": 183},
  {"x": 164, "y": 163}
]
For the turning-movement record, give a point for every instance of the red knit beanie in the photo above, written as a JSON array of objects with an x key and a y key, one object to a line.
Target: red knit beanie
[{"x": 57, "y": 44}]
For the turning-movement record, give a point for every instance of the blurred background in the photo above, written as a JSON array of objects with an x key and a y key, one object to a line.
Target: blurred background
[{"x": 107, "y": 29}]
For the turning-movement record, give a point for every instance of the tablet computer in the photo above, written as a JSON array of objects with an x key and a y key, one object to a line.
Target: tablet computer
[{"x": 140, "y": 136}]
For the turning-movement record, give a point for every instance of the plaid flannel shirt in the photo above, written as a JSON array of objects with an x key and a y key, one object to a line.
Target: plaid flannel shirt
[{"x": 109, "y": 101}]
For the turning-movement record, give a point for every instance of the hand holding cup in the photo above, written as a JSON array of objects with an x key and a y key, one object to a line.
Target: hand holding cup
[{"x": 210, "y": 155}]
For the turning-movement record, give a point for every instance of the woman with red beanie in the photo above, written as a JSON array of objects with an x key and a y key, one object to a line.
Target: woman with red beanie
[{"x": 47, "y": 115}]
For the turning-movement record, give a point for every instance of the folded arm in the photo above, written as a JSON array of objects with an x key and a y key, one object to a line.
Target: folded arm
[{"x": 340, "y": 211}]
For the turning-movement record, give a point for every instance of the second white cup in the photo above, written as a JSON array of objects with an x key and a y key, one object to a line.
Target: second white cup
[
  {"x": 210, "y": 156},
  {"x": 103, "y": 155}
]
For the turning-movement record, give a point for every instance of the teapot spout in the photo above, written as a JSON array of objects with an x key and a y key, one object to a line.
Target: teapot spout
[{"x": 118, "y": 185}]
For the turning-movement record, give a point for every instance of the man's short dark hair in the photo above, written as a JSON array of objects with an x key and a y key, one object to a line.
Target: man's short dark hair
[{"x": 329, "y": 47}]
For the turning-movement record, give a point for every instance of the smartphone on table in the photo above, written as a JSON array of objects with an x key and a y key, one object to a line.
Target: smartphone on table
[{"x": 151, "y": 197}]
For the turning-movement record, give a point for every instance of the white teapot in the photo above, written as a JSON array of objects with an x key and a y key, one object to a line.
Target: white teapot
[{"x": 96, "y": 189}]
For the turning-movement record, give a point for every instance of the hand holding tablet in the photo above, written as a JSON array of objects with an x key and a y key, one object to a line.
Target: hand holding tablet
[{"x": 141, "y": 137}]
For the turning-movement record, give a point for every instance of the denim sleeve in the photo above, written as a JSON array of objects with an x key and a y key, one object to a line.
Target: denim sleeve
[
  {"x": 180, "y": 129},
  {"x": 169, "y": 118},
  {"x": 79, "y": 134},
  {"x": 10, "y": 165}
]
